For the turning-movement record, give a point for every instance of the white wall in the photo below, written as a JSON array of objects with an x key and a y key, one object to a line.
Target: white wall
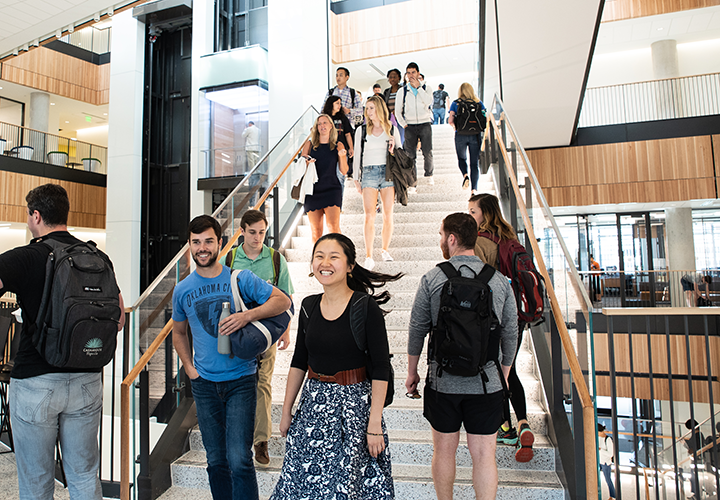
[{"x": 298, "y": 57}]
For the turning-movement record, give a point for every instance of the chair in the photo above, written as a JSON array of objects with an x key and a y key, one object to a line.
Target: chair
[
  {"x": 8, "y": 354},
  {"x": 23, "y": 152},
  {"x": 91, "y": 164},
  {"x": 59, "y": 158}
]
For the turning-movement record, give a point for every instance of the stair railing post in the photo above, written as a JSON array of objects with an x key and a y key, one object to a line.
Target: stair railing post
[
  {"x": 143, "y": 480},
  {"x": 578, "y": 426},
  {"x": 276, "y": 218}
]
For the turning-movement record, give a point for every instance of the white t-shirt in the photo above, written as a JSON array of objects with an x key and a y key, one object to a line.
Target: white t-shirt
[{"x": 375, "y": 149}]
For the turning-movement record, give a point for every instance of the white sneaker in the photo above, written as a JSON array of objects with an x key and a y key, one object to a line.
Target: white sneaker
[
  {"x": 386, "y": 256},
  {"x": 369, "y": 263},
  {"x": 431, "y": 181},
  {"x": 412, "y": 190}
]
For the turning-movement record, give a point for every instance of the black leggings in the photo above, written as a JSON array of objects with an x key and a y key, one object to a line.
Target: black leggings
[{"x": 516, "y": 389}]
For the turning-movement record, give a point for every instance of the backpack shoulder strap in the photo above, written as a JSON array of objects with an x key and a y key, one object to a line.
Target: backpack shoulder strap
[
  {"x": 448, "y": 269},
  {"x": 358, "y": 316},
  {"x": 363, "y": 139},
  {"x": 486, "y": 273},
  {"x": 352, "y": 95},
  {"x": 308, "y": 307},
  {"x": 230, "y": 257},
  {"x": 276, "y": 265},
  {"x": 490, "y": 236}
]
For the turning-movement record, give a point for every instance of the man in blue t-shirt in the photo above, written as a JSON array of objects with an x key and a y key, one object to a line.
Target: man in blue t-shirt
[{"x": 224, "y": 388}]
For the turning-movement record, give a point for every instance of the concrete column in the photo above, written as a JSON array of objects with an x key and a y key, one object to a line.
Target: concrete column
[
  {"x": 202, "y": 44},
  {"x": 301, "y": 53},
  {"x": 665, "y": 59},
  {"x": 680, "y": 249},
  {"x": 39, "y": 111},
  {"x": 124, "y": 172},
  {"x": 665, "y": 65}
]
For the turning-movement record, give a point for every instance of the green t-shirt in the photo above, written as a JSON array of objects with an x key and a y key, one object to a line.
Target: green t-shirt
[{"x": 262, "y": 267}]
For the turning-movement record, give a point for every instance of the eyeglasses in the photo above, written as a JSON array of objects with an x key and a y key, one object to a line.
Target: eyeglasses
[{"x": 413, "y": 395}]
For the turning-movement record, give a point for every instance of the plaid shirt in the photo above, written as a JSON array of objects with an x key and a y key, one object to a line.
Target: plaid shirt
[{"x": 356, "y": 109}]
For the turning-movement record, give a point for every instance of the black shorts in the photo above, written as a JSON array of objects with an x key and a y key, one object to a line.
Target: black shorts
[
  {"x": 479, "y": 413},
  {"x": 688, "y": 286}
]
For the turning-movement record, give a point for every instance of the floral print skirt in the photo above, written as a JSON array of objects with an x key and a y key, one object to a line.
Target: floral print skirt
[{"x": 326, "y": 454}]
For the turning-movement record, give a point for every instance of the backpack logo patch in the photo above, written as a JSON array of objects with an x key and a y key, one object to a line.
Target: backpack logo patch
[
  {"x": 93, "y": 347},
  {"x": 466, "y": 304},
  {"x": 95, "y": 289}
]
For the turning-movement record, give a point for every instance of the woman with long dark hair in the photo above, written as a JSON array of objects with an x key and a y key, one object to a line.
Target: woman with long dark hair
[
  {"x": 485, "y": 209},
  {"x": 324, "y": 205},
  {"x": 333, "y": 108},
  {"x": 337, "y": 442}
]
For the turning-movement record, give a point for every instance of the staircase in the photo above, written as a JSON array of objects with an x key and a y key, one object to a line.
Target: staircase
[{"x": 415, "y": 248}]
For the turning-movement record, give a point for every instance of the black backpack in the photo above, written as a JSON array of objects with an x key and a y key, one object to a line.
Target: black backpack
[
  {"x": 466, "y": 335},
  {"x": 470, "y": 118},
  {"x": 358, "y": 315},
  {"x": 77, "y": 323}
]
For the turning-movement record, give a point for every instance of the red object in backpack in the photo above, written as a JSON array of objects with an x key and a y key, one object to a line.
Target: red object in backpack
[{"x": 528, "y": 285}]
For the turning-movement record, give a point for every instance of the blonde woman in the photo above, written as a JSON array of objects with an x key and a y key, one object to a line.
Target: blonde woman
[
  {"x": 323, "y": 148},
  {"x": 374, "y": 140},
  {"x": 464, "y": 140}
]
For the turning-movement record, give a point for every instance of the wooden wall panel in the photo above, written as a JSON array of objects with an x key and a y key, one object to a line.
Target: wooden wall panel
[
  {"x": 659, "y": 351},
  {"x": 60, "y": 74},
  {"x": 223, "y": 138},
  {"x": 401, "y": 28},
  {"x": 645, "y": 171},
  {"x": 87, "y": 203},
  {"x": 616, "y": 10}
]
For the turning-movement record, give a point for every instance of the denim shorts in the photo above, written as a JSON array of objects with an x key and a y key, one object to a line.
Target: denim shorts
[{"x": 373, "y": 176}]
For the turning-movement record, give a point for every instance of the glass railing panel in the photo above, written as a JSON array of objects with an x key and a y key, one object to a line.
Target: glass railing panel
[
  {"x": 153, "y": 309},
  {"x": 571, "y": 307}
]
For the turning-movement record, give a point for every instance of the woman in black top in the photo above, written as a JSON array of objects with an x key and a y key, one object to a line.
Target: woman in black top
[
  {"x": 328, "y": 155},
  {"x": 333, "y": 108},
  {"x": 336, "y": 443}
]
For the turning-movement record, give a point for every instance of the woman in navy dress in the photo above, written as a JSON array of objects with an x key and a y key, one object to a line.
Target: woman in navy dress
[{"x": 323, "y": 148}]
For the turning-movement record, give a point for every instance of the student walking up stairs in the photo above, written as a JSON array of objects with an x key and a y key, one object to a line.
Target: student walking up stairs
[{"x": 415, "y": 249}]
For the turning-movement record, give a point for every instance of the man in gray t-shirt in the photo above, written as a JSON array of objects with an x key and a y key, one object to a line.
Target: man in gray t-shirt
[{"x": 452, "y": 401}]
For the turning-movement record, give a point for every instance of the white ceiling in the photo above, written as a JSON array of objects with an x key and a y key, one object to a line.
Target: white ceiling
[
  {"x": 635, "y": 207},
  {"x": 639, "y": 33},
  {"x": 23, "y": 21}
]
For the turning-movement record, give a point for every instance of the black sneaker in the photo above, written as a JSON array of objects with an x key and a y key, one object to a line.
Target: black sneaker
[
  {"x": 508, "y": 437},
  {"x": 525, "y": 453},
  {"x": 466, "y": 182}
]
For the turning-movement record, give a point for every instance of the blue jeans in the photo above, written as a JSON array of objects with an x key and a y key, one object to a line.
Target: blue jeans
[
  {"x": 607, "y": 472},
  {"x": 462, "y": 144},
  {"x": 226, "y": 414},
  {"x": 438, "y": 116},
  {"x": 43, "y": 409}
]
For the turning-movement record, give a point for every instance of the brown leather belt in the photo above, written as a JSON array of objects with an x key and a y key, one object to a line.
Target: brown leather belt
[{"x": 346, "y": 377}]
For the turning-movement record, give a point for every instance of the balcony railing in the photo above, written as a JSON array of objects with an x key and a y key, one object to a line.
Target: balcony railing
[
  {"x": 52, "y": 149},
  {"x": 92, "y": 39},
  {"x": 668, "y": 99},
  {"x": 644, "y": 288}
]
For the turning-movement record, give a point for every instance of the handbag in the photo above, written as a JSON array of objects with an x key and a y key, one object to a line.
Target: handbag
[
  {"x": 703, "y": 302},
  {"x": 258, "y": 336},
  {"x": 295, "y": 191}
]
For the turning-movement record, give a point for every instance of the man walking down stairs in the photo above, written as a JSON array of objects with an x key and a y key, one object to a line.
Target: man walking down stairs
[{"x": 416, "y": 249}]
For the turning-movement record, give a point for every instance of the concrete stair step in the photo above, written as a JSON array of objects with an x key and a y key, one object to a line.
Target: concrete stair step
[
  {"x": 418, "y": 268},
  {"x": 400, "y": 254},
  {"x": 413, "y": 448}
]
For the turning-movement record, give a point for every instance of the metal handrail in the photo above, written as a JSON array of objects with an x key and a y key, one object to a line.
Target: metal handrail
[
  {"x": 155, "y": 345},
  {"x": 587, "y": 403}
]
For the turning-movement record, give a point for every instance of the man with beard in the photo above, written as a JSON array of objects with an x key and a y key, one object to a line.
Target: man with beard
[
  {"x": 452, "y": 400},
  {"x": 224, "y": 387}
]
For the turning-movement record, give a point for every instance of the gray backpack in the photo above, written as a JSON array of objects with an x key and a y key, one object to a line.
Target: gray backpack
[{"x": 77, "y": 323}]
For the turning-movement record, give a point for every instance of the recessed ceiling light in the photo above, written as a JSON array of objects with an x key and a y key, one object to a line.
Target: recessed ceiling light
[
  {"x": 52, "y": 104},
  {"x": 67, "y": 121},
  {"x": 104, "y": 114},
  {"x": 660, "y": 29}
]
